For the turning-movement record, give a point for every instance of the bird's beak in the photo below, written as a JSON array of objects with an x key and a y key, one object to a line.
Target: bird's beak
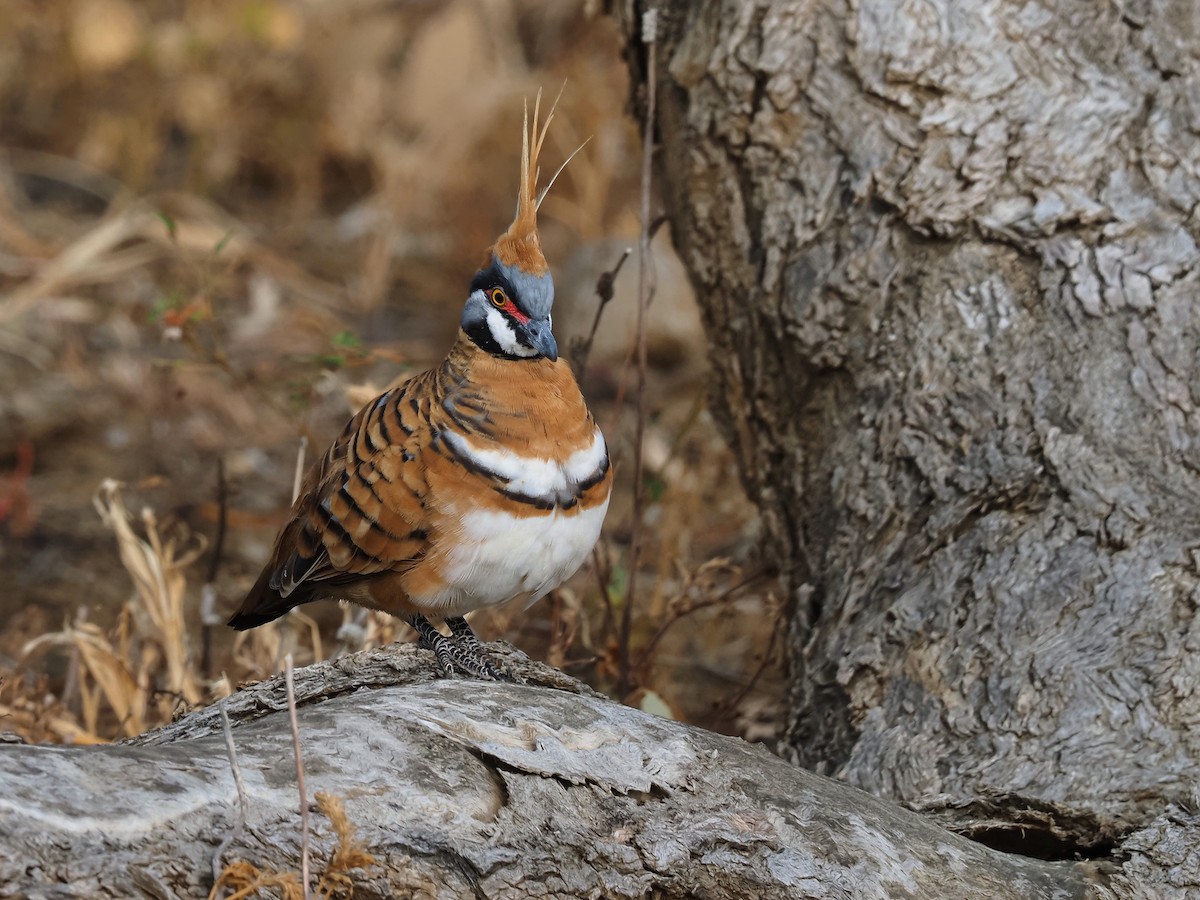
[{"x": 542, "y": 338}]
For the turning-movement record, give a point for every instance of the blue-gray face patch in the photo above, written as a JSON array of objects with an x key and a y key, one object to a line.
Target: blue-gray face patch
[{"x": 533, "y": 293}]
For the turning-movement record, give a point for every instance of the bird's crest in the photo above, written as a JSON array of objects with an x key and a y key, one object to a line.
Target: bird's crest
[{"x": 520, "y": 245}]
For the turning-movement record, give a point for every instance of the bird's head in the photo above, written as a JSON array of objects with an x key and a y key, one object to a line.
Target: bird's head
[{"x": 508, "y": 310}]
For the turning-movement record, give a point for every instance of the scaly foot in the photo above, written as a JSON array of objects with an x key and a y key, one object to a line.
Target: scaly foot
[{"x": 462, "y": 652}]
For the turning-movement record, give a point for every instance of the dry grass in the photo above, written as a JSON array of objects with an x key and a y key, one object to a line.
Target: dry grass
[
  {"x": 137, "y": 675},
  {"x": 243, "y": 879},
  {"x": 347, "y": 856}
]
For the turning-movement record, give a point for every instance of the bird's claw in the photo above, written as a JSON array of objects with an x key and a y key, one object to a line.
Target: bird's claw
[{"x": 461, "y": 652}]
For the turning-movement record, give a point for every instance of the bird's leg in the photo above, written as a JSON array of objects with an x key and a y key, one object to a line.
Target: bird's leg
[
  {"x": 452, "y": 655},
  {"x": 470, "y": 645},
  {"x": 432, "y": 639},
  {"x": 463, "y": 633}
]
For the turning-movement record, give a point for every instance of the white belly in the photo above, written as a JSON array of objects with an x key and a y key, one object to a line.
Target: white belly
[{"x": 497, "y": 557}]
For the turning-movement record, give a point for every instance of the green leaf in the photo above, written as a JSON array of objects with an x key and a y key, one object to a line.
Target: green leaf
[
  {"x": 655, "y": 487},
  {"x": 617, "y": 582},
  {"x": 172, "y": 230}
]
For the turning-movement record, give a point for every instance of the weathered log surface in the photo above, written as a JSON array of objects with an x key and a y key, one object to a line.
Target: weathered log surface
[
  {"x": 467, "y": 789},
  {"x": 947, "y": 256}
]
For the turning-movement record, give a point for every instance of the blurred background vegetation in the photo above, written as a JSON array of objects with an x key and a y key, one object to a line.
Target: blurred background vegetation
[{"x": 226, "y": 224}]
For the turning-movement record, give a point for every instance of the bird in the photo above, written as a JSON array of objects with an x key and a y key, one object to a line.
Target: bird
[{"x": 482, "y": 481}]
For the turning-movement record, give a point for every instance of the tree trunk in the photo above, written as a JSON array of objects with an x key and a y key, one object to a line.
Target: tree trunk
[
  {"x": 946, "y": 256},
  {"x": 461, "y": 789}
]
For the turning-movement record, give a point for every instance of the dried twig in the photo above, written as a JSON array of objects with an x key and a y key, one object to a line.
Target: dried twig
[
  {"x": 682, "y": 611},
  {"x": 729, "y": 704},
  {"x": 76, "y": 262},
  {"x": 291, "y": 699},
  {"x": 241, "y": 791},
  {"x": 219, "y": 538},
  {"x": 208, "y": 591},
  {"x": 71, "y": 685},
  {"x": 645, "y": 290},
  {"x": 604, "y": 290},
  {"x": 603, "y": 570}
]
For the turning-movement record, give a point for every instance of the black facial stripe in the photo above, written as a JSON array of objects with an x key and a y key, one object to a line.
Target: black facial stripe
[
  {"x": 522, "y": 335},
  {"x": 481, "y": 336}
]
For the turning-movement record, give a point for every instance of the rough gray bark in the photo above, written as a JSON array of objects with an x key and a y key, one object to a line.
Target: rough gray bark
[
  {"x": 946, "y": 253},
  {"x": 461, "y": 788}
]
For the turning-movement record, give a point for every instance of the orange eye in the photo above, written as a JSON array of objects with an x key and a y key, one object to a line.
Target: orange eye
[{"x": 499, "y": 298}]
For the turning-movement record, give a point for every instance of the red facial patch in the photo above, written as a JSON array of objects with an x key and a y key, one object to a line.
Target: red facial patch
[{"x": 511, "y": 308}]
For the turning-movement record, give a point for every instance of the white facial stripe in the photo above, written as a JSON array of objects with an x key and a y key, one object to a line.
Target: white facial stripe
[
  {"x": 503, "y": 334},
  {"x": 534, "y": 476}
]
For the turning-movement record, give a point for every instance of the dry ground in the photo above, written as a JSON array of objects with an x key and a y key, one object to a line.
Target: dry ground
[{"x": 224, "y": 224}]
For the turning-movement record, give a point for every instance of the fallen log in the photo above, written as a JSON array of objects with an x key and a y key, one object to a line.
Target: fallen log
[{"x": 461, "y": 788}]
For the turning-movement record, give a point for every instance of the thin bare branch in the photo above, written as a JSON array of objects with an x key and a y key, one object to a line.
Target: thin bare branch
[
  {"x": 208, "y": 592},
  {"x": 728, "y": 595},
  {"x": 604, "y": 290},
  {"x": 243, "y": 808},
  {"x": 291, "y": 700},
  {"x": 645, "y": 291},
  {"x": 729, "y": 704},
  {"x": 71, "y": 686}
]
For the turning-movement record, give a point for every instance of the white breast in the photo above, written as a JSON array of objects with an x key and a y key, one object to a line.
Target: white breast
[{"x": 496, "y": 557}]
